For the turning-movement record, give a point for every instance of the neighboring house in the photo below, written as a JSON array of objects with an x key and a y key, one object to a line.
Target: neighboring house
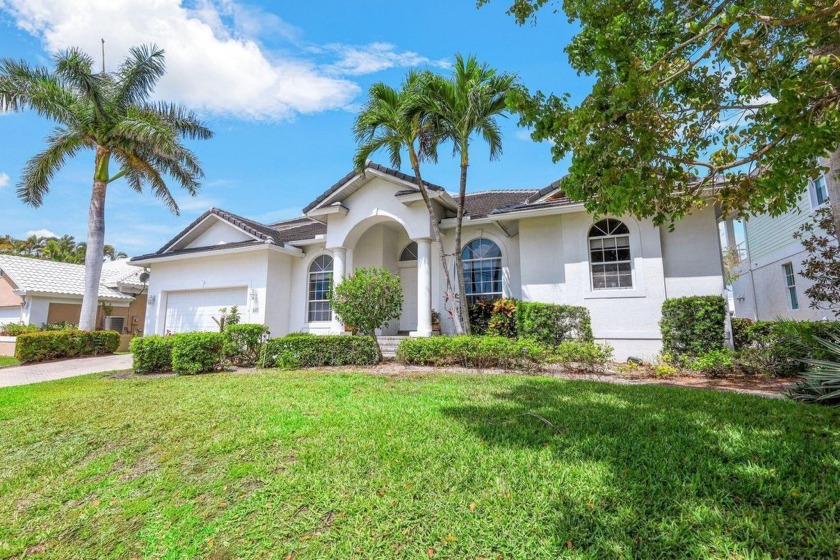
[
  {"x": 35, "y": 291},
  {"x": 768, "y": 284},
  {"x": 532, "y": 244}
]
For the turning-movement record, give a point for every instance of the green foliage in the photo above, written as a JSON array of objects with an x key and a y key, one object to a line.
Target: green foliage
[
  {"x": 781, "y": 347},
  {"x": 197, "y": 352},
  {"x": 553, "y": 324},
  {"x": 494, "y": 318},
  {"x": 822, "y": 264},
  {"x": 473, "y": 351},
  {"x": 693, "y": 325},
  {"x": 227, "y": 317},
  {"x": 688, "y": 93},
  {"x": 59, "y": 326},
  {"x": 714, "y": 362},
  {"x": 243, "y": 343},
  {"x": 55, "y": 345},
  {"x": 152, "y": 353},
  {"x": 368, "y": 299},
  {"x": 301, "y": 350},
  {"x": 585, "y": 356},
  {"x": 15, "y": 329},
  {"x": 821, "y": 383},
  {"x": 61, "y": 249}
]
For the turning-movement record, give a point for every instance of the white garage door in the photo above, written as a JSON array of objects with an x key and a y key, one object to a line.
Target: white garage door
[
  {"x": 9, "y": 315},
  {"x": 194, "y": 310}
]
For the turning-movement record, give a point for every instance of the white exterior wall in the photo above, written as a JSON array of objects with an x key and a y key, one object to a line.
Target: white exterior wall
[
  {"x": 36, "y": 309},
  {"x": 219, "y": 233},
  {"x": 246, "y": 269}
]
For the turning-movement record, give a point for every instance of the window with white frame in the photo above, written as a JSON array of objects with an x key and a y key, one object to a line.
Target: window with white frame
[
  {"x": 320, "y": 285},
  {"x": 818, "y": 189},
  {"x": 482, "y": 270},
  {"x": 790, "y": 285},
  {"x": 609, "y": 255}
]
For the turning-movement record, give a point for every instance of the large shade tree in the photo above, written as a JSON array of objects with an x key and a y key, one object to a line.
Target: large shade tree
[
  {"x": 388, "y": 122},
  {"x": 461, "y": 108},
  {"x": 109, "y": 113},
  {"x": 730, "y": 99}
]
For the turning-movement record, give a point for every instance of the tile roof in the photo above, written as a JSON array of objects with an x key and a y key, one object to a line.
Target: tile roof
[
  {"x": 120, "y": 273},
  {"x": 50, "y": 277},
  {"x": 483, "y": 203}
]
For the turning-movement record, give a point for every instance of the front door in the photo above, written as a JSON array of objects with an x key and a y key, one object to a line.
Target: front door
[{"x": 408, "y": 280}]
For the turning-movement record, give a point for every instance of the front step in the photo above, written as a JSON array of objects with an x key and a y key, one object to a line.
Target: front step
[{"x": 389, "y": 344}]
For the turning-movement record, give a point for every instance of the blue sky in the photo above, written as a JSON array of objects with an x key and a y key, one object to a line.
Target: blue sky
[{"x": 279, "y": 83}]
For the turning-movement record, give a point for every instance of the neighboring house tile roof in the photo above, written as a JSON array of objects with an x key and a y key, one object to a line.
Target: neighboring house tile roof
[
  {"x": 50, "y": 277},
  {"x": 118, "y": 273}
]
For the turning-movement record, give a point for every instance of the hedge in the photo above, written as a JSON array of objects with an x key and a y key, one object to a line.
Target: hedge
[
  {"x": 780, "y": 347},
  {"x": 54, "y": 345},
  {"x": 298, "y": 350},
  {"x": 153, "y": 353},
  {"x": 197, "y": 352},
  {"x": 693, "y": 326},
  {"x": 553, "y": 324}
]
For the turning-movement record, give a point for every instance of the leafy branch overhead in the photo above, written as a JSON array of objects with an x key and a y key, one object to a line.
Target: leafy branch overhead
[{"x": 727, "y": 98}]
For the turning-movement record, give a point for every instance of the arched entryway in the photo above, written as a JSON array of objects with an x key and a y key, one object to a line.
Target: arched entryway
[{"x": 384, "y": 242}]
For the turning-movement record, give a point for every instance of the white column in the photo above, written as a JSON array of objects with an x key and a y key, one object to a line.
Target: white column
[
  {"x": 339, "y": 259},
  {"x": 424, "y": 287}
]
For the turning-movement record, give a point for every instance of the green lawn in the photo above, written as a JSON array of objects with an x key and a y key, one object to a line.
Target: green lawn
[
  {"x": 6, "y": 361},
  {"x": 340, "y": 466}
]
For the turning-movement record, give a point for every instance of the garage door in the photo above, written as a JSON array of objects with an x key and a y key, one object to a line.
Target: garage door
[
  {"x": 9, "y": 315},
  {"x": 194, "y": 310}
]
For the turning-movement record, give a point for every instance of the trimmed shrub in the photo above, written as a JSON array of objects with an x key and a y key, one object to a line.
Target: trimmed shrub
[
  {"x": 552, "y": 324},
  {"x": 152, "y": 354},
  {"x": 54, "y": 345},
  {"x": 301, "y": 350},
  {"x": 17, "y": 329},
  {"x": 693, "y": 325},
  {"x": 714, "y": 363},
  {"x": 473, "y": 351},
  {"x": 585, "y": 356},
  {"x": 479, "y": 313},
  {"x": 197, "y": 352},
  {"x": 243, "y": 343}
]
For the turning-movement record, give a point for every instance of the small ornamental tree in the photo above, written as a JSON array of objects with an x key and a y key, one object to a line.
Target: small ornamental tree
[
  {"x": 368, "y": 299},
  {"x": 822, "y": 265}
]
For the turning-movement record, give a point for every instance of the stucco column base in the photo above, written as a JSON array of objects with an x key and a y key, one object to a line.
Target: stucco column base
[{"x": 339, "y": 259}]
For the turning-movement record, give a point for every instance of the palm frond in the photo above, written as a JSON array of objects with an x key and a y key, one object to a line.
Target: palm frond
[
  {"x": 184, "y": 122},
  {"x": 22, "y": 87},
  {"x": 139, "y": 74},
  {"x": 75, "y": 67},
  {"x": 39, "y": 171}
]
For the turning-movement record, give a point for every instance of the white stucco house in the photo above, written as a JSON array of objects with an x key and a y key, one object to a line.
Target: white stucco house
[
  {"x": 535, "y": 245},
  {"x": 768, "y": 283}
]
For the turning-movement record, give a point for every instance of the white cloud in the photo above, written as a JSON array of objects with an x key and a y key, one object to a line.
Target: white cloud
[
  {"x": 4, "y": 180},
  {"x": 356, "y": 60},
  {"x": 214, "y": 61},
  {"x": 40, "y": 233}
]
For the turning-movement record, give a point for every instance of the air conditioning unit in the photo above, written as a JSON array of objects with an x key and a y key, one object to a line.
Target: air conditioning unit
[{"x": 115, "y": 324}]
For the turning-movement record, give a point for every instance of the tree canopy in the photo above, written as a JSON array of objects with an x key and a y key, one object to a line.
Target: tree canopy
[
  {"x": 730, "y": 99},
  {"x": 61, "y": 249}
]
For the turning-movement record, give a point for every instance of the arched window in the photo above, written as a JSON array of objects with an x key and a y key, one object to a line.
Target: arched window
[
  {"x": 409, "y": 253},
  {"x": 482, "y": 270},
  {"x": 320, "y": 285},
  {"x": 609, "y": 255}
]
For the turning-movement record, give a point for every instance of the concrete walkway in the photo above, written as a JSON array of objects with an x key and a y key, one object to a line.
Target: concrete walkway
[{"x": 35, "y": 373}]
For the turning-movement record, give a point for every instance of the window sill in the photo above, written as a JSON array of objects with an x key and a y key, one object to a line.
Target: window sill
[{"x": 615, "y": 293}]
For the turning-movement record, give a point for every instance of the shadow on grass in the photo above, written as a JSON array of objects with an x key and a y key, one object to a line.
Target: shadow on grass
[{"x": 675, "y": 472}]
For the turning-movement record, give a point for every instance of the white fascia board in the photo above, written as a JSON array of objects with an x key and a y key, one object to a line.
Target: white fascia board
[
  {"x": 334, "y": 208},
  {"x": 165, "y": 257},
  {"x": 450, "y": 223},
  {"x": 442, "y": 197}
]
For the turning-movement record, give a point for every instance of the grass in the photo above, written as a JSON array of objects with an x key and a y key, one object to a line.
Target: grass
[
  {"x": 318, "y": 465},
  {"x": 6, "y": 361}
]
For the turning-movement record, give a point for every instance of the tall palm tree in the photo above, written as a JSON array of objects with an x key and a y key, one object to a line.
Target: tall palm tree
[
  {"x": 386, "y": 123},
  {"x": 462, "y": 107},
  {"x": 109, "y": 113}
]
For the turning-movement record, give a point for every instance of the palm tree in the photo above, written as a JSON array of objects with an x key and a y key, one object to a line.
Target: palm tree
[
  {"x": 461, "y": 107},
  {"x": 108, "y": 113},
  {"x": 386, "y": 123}
]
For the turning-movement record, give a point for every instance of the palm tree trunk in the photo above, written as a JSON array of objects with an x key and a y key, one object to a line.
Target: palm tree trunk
[
  {"x": 95, "y": 243},
  {"x": 459, "y": 260},
  {"x": 448, "y": 293},
  {"x": 833, "y": 185}
]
